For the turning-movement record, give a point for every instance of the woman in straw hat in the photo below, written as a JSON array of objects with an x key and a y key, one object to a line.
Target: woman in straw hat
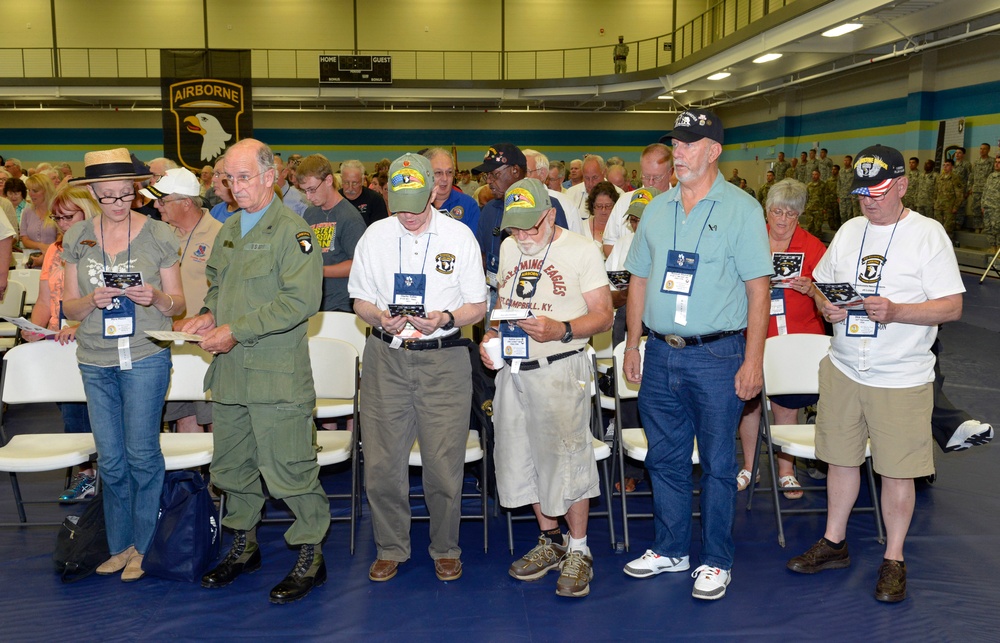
[{"x": 123, "y": 278}]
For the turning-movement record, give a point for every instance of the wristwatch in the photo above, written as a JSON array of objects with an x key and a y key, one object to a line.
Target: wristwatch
[
  {"x": 568, "y": 336},
  {"x": 451, "y": 321}
]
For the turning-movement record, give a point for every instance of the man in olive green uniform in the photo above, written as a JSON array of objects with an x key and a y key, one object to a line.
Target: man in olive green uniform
[
  {"x": 812, "y": 217},
  {"x": 981, "y": 169},
  {"x": 948, "y": 194},
  {"x": 802, "y": 172},
  {"x": 764, "y": 189},
  {"x": 265, "y": 281},
  {"x": 812, "y": 165},
  {"x": 832, "y": 201},
  {"x": 991, "y": 206},
  {"x": 780, "y": 166},
  {"x": 927, "y": 189},
  {"x": 913, "y": 177},
  {"x": 793, "y": 171},
  {"x": 621, "y": 56},
  {"x": 849, "y": 207},
  {"x": 825, "y": 165}
]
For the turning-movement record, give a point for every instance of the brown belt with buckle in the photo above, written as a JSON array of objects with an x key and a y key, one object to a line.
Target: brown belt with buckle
[{"x": 676, "y": 341}]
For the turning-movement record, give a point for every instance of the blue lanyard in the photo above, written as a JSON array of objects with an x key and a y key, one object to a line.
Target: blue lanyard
[
  {"x": 696, "y": 246},
  {"x": 424, "y": 264},
  {"x": 104, "y": 257},
  {"x": 541, "y": 269},
  {"x": 885, "y": 255}
]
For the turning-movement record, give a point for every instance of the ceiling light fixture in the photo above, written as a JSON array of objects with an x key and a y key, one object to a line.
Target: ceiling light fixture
[
  {"x": 842, "y": 29},
  {"x": 680, "y": 91},
  {"x": 719, "y": 75},
  {"x": 665, "y": 97},
  {"x": 766, "y": 58}
]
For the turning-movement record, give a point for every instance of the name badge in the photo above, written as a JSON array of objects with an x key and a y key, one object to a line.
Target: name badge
[
  {"x": 409, "y": 288},
  {"x": 859, "y": 324},
  {"x": 513, "y": 341},
  {"x": 777, "y": 302},
  {"x": 681, "y": 269},
  {"x": 119, "y": 318},
  {"x": 492, "y": 270}
]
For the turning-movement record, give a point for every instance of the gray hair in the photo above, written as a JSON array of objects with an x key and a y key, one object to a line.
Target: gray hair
[
  {"x": 168, "y": 164},
  {"x": 789, "y": 194},
  {"x": 596, "y": 158},
  {"x": 541, "y": 161},
  {"x": 430, "y": 154},
  {"x": 352, "y": 164}
]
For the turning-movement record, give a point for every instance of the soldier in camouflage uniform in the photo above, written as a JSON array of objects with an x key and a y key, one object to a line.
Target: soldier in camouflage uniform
[
  {"x": 793, "y": 171},
  {"x": 981, "y": 169},
  {"x": 991, "y": 206},
  {"x": 780, "y": 166},
  {"x": 801, "y": 174},
  {"x": 764, "y": 189},
  {"x": 948, "y": 196},
  {"x": 813, "y": 215},
  {"x": 849, "y": 206},
  {"x": 927, "y": 189},
  {"x": 913, "y": 177},
  {"x": 812, "y": 165},
  {"x": 825, "y": 165},
  {"x": 831, "y": 200},
  {"x": 962, "y": 169}
]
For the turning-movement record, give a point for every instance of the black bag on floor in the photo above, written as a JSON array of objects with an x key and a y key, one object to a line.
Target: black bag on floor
[
  {"x": 82, "y": 543},
  {"x": 186, "y": 541}
]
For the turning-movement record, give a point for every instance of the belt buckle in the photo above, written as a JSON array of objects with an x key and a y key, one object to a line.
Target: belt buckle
[{"x": 674, "y": 341}]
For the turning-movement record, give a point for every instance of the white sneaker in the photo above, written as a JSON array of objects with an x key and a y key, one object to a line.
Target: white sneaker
[
  {"x": 710, "y": 583},
  {"x": 971, "y": 433},
  {"x": 651, "y": 564}
]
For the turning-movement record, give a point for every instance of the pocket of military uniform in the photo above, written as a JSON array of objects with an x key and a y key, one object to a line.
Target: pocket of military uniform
[
  {"x": 261, "y": 365},
  {"x": 258, "y": 267}
]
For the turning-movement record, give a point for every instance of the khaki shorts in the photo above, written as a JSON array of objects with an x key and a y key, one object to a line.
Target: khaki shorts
[
  {"x": 897, "y": 421},
  {"x": 544, "y": 451}
]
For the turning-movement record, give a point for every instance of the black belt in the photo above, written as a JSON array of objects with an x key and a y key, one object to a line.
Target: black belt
[
  {"x": 530, "y": 365},
  {"x": 676, "y": 341},
  {"x": 621, "y": 57},
  {"x": 455, "y": 339}
]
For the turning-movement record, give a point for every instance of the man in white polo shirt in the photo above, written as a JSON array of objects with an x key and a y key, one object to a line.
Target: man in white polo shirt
[{"x": 417, "y": 278}]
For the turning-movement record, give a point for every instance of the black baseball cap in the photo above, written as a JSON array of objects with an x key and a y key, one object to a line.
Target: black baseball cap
[
  {"x": 874, "y": 169},
  {"x": 693, "y": 125},
  {"x": 499, "y": 155}
]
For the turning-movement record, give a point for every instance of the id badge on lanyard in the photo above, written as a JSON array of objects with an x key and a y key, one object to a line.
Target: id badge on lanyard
[
  {"x": 492, "y": 270},
  {"x": 860, "y": 325},
  {"x": 119, "y": 318},
  {"x": 409, "y": 288},
  {"x": 679, "y": 280},
  {"x": 778, "y": 310},
  {"x": 513, "y": 341}
]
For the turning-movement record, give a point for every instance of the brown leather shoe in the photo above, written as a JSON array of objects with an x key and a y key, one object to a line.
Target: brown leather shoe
[
  {"x": 382, "y": 570},
  {"x": 819, "y": 557},
  {"x": 891, "y": 585},
  {"x": 448, "y": 568}
]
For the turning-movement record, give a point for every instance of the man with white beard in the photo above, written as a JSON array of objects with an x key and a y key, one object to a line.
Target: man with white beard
[{"x": 556, "y": 280}]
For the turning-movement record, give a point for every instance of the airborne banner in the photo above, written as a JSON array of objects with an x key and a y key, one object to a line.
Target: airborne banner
[{"x": 206, "y": 103}]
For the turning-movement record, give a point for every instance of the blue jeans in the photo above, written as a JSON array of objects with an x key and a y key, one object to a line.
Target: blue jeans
[
  {"x": 75, "y": 417},
  {"x": 125, "y": 410},
  {"x": 686, "y": 394}
]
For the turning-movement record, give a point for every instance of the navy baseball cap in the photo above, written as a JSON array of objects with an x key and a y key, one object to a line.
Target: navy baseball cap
[{"x": 693, "y": 125}]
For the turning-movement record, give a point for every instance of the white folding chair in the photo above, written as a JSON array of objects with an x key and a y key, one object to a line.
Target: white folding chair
[
  {"x": 28, "y": 278},
  {"x": 631, "y": 441},
  {"x": 34, "y": 373},
  {"x": 602, "y": 453},
  {"x": 791, "y": 367},
  {"x": 12, "y": 305},
  {"x": 346, "y": 327},
  {"x": 187, "y": 381}
]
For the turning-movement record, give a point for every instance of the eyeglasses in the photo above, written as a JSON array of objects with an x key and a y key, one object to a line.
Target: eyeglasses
[
  {"x": 783, "y": 214},
  {"x": 351, "y": 184},
  {"x": 108, "y": 200},
  {"x": 166, "y": 201},
  {"x": 649, "y": 179},
  {"x": 495, "y": 174},
  {"x": 65, "y": 217},
  {"x": 879, "y": 197},
  {"x": 229, "y": 180},
  {"x": 315, "y": 189},
  {"x": 604, "y": 207}
]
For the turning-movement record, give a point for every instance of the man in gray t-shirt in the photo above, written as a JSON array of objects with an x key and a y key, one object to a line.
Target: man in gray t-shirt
[{"x": 337, "y": 226}]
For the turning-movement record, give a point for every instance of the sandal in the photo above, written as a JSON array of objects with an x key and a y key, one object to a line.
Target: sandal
[
  {"x": 629, "y": 485},
  {"x": 789, "y": 482},
  {"x": 743, "y": 479}
]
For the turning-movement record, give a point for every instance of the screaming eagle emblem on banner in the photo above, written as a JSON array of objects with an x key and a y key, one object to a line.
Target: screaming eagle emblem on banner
[{"x": 206, "y": 115}]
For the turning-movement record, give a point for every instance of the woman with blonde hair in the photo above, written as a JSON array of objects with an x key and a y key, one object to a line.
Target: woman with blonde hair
[
  {"x": 71, "y": 205},
  {"x": 38, "y": 230}
]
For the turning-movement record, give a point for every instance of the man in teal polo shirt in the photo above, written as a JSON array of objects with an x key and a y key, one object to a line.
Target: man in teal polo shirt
[{"x": 700, "y": 265}]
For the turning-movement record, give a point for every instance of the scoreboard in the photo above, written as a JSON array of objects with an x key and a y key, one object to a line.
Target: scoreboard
[{"x": 357, "y": 70}]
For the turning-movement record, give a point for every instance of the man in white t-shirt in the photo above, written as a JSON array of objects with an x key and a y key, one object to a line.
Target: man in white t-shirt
[
  {"x": 657, "y": 167},
  {"x": 544, "y": 455},
  {"x": 876, "y": 384}
]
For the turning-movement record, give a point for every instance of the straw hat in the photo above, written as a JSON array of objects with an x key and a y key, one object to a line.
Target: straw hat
[{"x": 109, "y": 165}]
